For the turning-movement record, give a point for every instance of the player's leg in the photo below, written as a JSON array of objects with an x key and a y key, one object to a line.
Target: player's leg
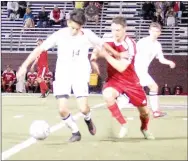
[
  {"x": 81, "y": 91},
  {"x": 43, "y": 87},
  {"x": 147, "y": 80},
  {"x": 10, "y": 86},
  {"x": 35, "y": 86},
  {"x": 4, "y": 85},
  {"x": 62, "y": 90},
  {"x": 27, "y": 85},
  {"x": 154, "y": 100},
  {"x": 138, "y": 98},
  {"x": 144, "y": 118},
  {"x": 110, "y": 94}
]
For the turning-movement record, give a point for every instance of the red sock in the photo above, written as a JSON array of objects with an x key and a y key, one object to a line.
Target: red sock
[
  {"x": 43, "y": 87},
  {"x": 144, "y": 122},
  {"x": 117, "y": 113}
]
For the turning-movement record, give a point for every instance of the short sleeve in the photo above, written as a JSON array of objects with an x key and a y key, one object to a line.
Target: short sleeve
[
  {"x": 51, "y": 41},
  {"x": 159, "y": 52},
  {"x": 94, "y": 39}
]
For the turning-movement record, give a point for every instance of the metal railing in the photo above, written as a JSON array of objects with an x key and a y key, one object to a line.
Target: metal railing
[{"x": 174, "y": 40}]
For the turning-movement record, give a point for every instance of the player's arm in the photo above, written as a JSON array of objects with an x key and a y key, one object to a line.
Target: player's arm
[
  {"x": 163, "y": 60},
  {"x": 119, "y": 64},
  {"x": 93, "y": 60},
  {"x": 47, "y": 44},
  {"x": 98, "y": 43},
  {"x": 34, "y": 63}
]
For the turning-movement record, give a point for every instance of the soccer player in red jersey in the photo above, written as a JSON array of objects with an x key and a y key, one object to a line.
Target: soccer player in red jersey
[
  {"x": 42, "y": 69},
  {"x": 8, "y": 79},
  {"x": 122, "y": 78},
  {"x": 31, "y": 82}
]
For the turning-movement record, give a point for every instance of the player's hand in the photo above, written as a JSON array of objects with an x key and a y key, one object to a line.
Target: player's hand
[
  {"x": 172, "y": 64},
  {"x": 21, "y": 71}
]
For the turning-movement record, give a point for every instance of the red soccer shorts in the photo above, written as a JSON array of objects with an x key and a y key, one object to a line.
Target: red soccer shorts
[{"x": 135, "y": 92}]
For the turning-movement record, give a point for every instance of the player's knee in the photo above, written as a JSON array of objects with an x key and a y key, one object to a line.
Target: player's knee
[
  {"x": 108, "y": 95},
  {"x": 144, "y": 112}
]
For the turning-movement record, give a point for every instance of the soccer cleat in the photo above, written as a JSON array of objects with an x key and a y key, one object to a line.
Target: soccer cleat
[
  {"x": 91, "y": 126},
  {"x": 42, "y": 96},
  {"x": 123, "y": 131},
  {"x": 75, "y": 137},
  {"x": 148, "y": 135},
  {"x": 47, "y": 93},
  {"x": 157, "y": 114}
]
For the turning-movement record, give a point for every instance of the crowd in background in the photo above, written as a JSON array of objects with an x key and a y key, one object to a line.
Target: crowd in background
[
  {"x": 163, "y": 12},
  {"x": 57, "y": 16}
]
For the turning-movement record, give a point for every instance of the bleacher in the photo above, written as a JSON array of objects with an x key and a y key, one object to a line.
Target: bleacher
[{"x": 174, "y": 40}]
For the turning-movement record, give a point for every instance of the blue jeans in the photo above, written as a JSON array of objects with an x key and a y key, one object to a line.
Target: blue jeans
[{"x": 42, "y": 24}]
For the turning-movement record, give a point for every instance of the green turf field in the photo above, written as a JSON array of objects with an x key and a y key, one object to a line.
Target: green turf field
[{"x": 18, "y": 112}]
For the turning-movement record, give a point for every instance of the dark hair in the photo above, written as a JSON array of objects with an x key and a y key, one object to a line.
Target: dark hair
[
  {"x": 155, "y": 25},
  {"x": 78, "y": 16},
  {"x": 120, "y": 20}
]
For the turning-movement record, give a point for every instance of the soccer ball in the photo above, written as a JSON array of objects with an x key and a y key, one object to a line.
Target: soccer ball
[{"x": 39, "y": 129}]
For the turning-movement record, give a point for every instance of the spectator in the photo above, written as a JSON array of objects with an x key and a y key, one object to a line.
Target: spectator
[
  {"x": 31, "y": 83},
  {"x": 170, "y": 16},
  {"x": 43, "y": 18},
  {"x": 148, "y": 10},
  {"x": 178, "y": 8},
  {"x": 56, "y": 17},
  {"x": 22, "y": 8},
  {"x": 8, "y": 79},
  {"x": 49, "y": 80},
  {"x": 12, "y": 9},
  {"x": 178, "y": 90},
  {"x": 166, "y": 90},
  {"x": 92, "y": 11},
  {"x": 158, "y": 18},
  {"x": 28, "y": 19}
]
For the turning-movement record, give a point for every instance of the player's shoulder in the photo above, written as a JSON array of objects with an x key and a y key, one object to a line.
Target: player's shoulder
[
  {"x": 62, "y": 31},
  {"x": 142, "y": 40},
  {"x": 128, "y": 38}
]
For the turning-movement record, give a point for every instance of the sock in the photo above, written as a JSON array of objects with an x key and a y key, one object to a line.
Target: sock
[
  {"x": 117, "y": 113},
  {"x": 70, "y": 123},
  {"x": 43, "y": 87},
  {"x": 87, "y": 116},
  {"x": 144, "y": 122},
  {"x": 154, "y": 101}
]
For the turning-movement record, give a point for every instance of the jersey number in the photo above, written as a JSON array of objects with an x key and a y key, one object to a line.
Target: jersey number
[{"x": 75, "y": 53}]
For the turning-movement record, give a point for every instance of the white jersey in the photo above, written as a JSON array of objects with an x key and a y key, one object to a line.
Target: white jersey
[
  {"x": 147, "y": 50},
  {"x": 72, "y": 51},
  {"x": 72, "y": 66}
]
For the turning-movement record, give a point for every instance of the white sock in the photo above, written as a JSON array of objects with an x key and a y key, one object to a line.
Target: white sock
[
  {"x": 87, "y": 117},
  {"x": 154, "y": 101},
  {"x": 70, "y": 123}
]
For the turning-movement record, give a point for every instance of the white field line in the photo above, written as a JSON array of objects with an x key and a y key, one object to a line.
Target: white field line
[{"x": 17, "y": 148}]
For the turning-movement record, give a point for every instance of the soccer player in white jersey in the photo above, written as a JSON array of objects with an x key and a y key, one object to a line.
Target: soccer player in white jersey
[
  {"x": 72, "y": 67},
  {"x": 149, "y": 48}
]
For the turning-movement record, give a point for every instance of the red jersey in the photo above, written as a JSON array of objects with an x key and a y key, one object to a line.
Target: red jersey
[
  {"x": 129, "y": 75},
  {"x": 48, "y": 76},
  {"x": 8, "y": 76},
  {"x": 43, "y": 60},
  {"x": 31, "y": 76}
]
